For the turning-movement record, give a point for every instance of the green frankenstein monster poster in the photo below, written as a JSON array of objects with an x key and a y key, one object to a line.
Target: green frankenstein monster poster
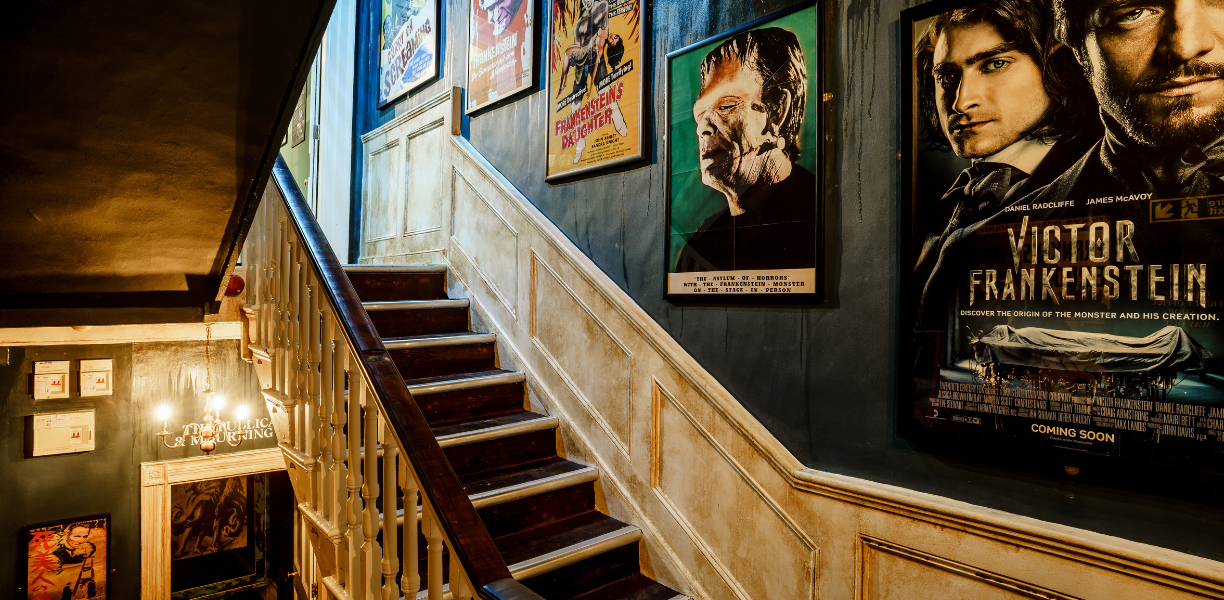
[{"x": 743, "y": 155}]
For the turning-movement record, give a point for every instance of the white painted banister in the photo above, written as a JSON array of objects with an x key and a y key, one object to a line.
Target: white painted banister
[{"x": 333, "y": 429}]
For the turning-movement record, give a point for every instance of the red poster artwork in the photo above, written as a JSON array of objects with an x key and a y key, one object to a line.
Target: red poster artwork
[{"x": 67, "y": 560}]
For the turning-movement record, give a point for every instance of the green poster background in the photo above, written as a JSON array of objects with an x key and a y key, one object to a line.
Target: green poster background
[{"x": 692, "y": 202}]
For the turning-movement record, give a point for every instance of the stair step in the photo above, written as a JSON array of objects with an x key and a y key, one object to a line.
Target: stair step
[
  {"x": 398, "y": 282},
  {"x": 414, "y": 304},
  {"x": 633, "y": 587},
  {"x": 518, "y": 515},
  {"x": 350, "y": 269},
  {"x": 442, "y": 360},
  {"x": 434, "y": 341},
  {"x": 536, "y": 552},
  {"x": 532, "y": 482},
  {"x": 463, "y": 381},
  {"x": 611, "y": 575},
  {"x": 498, "y": 487},
  {"x": 471, "y": 404},
  {"x": 409, "y": 318},
  {"x": 471, "y": 432},
  {"x": 501, "y": 453}
]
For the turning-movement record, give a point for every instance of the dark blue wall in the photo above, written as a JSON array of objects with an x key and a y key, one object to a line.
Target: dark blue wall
[{"x": 822, "y": 378}]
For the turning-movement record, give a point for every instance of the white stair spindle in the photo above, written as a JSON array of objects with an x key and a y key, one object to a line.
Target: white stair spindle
[
  {"x": 326, "y": 403},
  {"x": 371, "y": 556},
  {"x": 390, "y": 559},
  {"x": 410, "y": 580},
  {"x": 356, "y": 582},
  {"x": 433, "y": 533}
]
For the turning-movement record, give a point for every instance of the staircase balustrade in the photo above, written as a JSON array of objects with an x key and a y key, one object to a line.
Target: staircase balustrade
[{"x": 339, "y": 405}]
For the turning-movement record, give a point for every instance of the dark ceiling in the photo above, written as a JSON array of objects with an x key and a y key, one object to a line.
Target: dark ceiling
[{"x": 135, "y": 139}]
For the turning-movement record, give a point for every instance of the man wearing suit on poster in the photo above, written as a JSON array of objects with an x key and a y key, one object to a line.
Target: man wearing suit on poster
[
  {"x": 995, "y": 87},
  {"x": 1157, "y": 68},
  {"x": 748, "y": 114}
]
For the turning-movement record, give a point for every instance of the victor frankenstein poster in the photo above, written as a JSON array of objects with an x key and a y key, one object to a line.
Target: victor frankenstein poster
[
  {"x": 595, "y": 85},
  {"x": 1064, "y": 229},
  {"x": 743, "y": 156}
]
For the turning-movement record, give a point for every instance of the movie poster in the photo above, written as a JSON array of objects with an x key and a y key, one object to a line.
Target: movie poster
[
  {"x": 1065, "y": 232},
  {"x": 743, "y": 154},
  {"x": 407, "y": 47},
  {"x": 66, "y": 560},
  {"x": 501, "y": 50},
  {"x": 208, "y": 516},
  {"x": 595, "y": 85}
]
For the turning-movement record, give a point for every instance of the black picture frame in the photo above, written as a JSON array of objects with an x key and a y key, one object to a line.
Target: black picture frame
[
  {"x": 1194, "y": 482},
  {"x": 816, "y": 101},
  {"x": 439, "y": 49},
  {"x": 643, "y": 79},
  {"x": 522, "y": 91},
  {"x": 39, "y": 562}
]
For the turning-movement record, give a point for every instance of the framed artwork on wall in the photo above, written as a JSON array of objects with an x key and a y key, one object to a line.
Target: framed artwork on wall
[
  {"x": 501, "y": 50},
  {"x": 66, "y": 558},
  {"x": 743, "y": 163},
  {"x": 407, "y": 47},
  {"x": 596, "y": 85},
  {"x": 1057, "y": 232}
]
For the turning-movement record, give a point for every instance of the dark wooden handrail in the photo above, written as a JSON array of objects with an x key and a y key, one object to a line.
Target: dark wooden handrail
[{"x": 469, "y": 538}]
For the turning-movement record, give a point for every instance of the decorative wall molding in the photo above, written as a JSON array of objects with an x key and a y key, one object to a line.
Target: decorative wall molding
[
  {"x": 871, "y": 550},
  {"x": 403, "y": 200},
  {"x": 692, "y": 460},
  {"x": 156, "y": 479},
  {"x": 118, "y": 334}
]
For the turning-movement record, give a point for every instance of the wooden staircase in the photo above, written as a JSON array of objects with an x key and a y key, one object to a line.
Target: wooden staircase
[{"x": 538, "y": 507}]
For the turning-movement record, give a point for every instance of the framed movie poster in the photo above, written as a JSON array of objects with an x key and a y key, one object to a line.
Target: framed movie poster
[
  {"x": 218, "y": 536},
  {"x": 67, "y": 559},
  {"x": 596, "y": 85},
  {"x": 501, "y": 50},
  {"x": 407, "y": 47},
  {"x": 743, "y": 163},
  {"x": 1062, "y": 232}
]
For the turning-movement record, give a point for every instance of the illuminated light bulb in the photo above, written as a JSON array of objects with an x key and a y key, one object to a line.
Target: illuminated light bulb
[
  {"x": 163, "y": 412},
  {"x": 242, "y": 412},
  {"x": 218, "y": 402}
]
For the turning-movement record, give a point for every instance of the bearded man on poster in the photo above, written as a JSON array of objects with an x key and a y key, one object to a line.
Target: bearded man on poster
[
  {"x": 995, "y": 87},
  {"x": 1158, "y": 71},
  {"x": 749, "y": 114}
]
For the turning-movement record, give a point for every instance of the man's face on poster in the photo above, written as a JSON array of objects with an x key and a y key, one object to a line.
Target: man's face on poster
[
  {"x": 500, "y": 13},
  {"x": 1158, "y": 67},
  {"x": 76, "y": 537},
  {"x": 733, "y": 124},
  {"x": 988, "y": 94}
]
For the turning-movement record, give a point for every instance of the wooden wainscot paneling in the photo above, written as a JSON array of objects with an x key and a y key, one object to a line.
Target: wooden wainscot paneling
[
  {"x": 584, "y": 353},
  {"x": 155, "y": 481},
  {"x": 384, "y": 178},
  {"x": 890, "y": 571},
  {"x": 423, "y": 199},
  {"x": 405, "y": 190},
  {"x": 487, "y": 241},
  {"x": 757, "y": 548}
]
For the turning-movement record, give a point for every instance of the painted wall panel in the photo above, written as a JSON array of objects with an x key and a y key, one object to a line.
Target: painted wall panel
[{"x": 582, "y": 349}]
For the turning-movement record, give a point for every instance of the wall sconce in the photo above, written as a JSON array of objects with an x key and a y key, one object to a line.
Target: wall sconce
[{"x": 210, "y": 427}]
